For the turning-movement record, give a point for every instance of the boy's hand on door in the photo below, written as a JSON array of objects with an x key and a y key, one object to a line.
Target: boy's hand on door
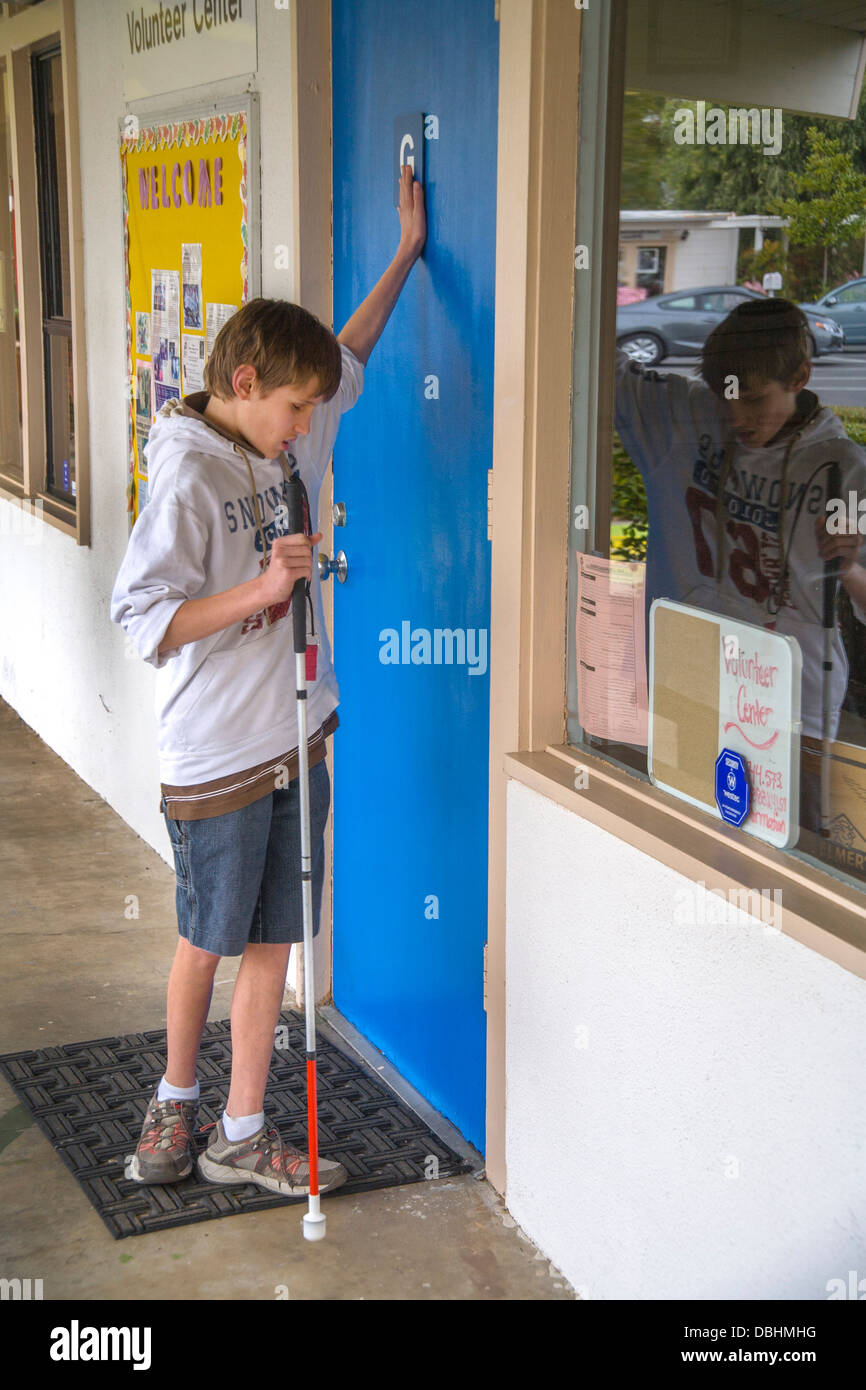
[{"x": 413, "y": 214}]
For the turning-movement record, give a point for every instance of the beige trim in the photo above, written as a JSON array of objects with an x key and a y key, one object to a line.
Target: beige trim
[
  {"x": 51, "y": 19},
  {"x": 539, "y": 50},
  {"x": 312, "y": 243},
  {"x": 606, "y": 262},
  {"x": 29, "y": 278},
  {"x": 311, "y": 171},
  {"x": 76, "y": 275},
  {"x": 817, "y": 910}
]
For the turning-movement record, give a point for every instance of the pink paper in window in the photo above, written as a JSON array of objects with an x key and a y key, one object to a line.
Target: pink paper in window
[{"x": 611, "y": 649}]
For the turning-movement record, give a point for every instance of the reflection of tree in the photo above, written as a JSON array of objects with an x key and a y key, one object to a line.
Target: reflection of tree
[
  {"x": 628, "y": 508},
  {"x": 657, "y": 173},
  {"x": 741, "y": 178},
  {"x": 835, "y": 195},
  {"x": 642, "y": 151}
]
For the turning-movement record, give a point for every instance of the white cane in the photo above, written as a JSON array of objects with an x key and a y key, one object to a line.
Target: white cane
[
  {"x": 831, "y": 572},
  {"x": 314, "y": 1220}
]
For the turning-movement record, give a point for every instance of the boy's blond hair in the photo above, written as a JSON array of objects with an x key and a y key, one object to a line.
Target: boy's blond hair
[
  {"x": 761, "y": 340},
  {"x": 283, "y": 342}
]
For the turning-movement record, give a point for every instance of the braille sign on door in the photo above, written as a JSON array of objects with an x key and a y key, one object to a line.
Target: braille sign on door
[{"x": 408, "y": 147}]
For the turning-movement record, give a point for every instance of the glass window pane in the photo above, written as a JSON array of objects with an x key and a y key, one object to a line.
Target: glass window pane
[
  {"x": 55, "y": 90},
  {"x": 54, "y": 262},
  {"x": 722, "y": 501},
  {"x": 11, "y": 432},
  {"x": 62, "y": 440}
]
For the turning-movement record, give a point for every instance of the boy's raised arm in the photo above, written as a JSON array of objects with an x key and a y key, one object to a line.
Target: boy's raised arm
[{"x": 364, "y": 328}]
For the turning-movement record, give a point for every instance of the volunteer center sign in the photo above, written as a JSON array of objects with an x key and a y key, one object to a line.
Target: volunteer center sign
[{"x": 170, "y": 47}]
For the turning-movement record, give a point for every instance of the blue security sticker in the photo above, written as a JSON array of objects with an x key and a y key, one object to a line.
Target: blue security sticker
[{"x": 732, "y": 787}]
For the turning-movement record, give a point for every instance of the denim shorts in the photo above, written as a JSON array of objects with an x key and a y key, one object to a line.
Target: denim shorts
[{"x": 239, "y": 874}]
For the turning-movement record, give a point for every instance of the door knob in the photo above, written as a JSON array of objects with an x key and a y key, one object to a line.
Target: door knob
[{"x": 339, "y": 566}]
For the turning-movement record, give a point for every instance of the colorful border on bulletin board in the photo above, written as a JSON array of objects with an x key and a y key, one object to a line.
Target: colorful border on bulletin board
[{"x": 230, "y": 128}]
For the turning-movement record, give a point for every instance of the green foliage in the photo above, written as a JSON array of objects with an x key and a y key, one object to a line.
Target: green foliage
[
  {"x": 628, "y": 505},
  {"x": 641, "y": 150},
  {"x": 741, "y": 178},
  {"x": 829, "y": 196},
  {"x": 853, "y": 417},
  {"x": 802, "y": 271}
]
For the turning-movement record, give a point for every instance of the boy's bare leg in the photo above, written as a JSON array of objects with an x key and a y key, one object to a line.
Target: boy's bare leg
[
  {"x": 256, "y": 1004},
  {"x": 190, "y": 986}
]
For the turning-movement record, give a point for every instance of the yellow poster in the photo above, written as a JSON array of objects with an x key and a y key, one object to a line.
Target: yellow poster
[{"x": 186, "y": 259}]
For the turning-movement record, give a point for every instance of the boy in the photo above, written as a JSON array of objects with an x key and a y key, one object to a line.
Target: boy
[
  {"x": 204, "y": 591},
  {"x": 728, "y": 482}
]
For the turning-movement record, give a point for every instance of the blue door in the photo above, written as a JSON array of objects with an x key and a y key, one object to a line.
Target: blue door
[{"x": 411, "y": 624}]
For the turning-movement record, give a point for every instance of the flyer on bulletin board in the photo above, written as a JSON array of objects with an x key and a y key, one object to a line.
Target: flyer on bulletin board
[{"x": 186, "y": 240}]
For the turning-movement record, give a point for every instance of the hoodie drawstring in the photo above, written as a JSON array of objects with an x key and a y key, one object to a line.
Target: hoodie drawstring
[
  {"x": 259, "y": 524},
  {"x": 777, "y": 589}
]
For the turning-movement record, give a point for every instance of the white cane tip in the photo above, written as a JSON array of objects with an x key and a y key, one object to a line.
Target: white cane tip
[{"x": 314, "y": 1226}]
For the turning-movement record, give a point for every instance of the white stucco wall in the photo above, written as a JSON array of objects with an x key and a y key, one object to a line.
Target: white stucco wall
[
  {"x": 684, "y": 1102},
  {"x": 707, "y": 257},
  {"x": 62, "y": 661}
]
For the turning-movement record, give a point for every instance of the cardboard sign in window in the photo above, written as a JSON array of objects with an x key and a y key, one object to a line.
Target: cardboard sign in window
[{"x": 716, "y": 684}]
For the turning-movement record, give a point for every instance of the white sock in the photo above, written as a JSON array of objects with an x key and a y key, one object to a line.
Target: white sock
[
  {"x": 242, "y": 1126},
  {"x": 166, "y": 1092}
]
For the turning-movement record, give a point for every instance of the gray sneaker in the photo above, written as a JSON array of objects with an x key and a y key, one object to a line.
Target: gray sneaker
[
  {"x": 265, "y": 1159},
  {"x": 166, "y": 1147}
]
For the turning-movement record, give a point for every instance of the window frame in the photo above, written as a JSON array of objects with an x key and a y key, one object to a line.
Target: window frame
[
  {"x": 533, "y": 502},
  {"x": 23, "y": 37}
]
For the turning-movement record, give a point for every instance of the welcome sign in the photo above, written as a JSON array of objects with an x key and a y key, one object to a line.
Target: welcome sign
[
  {"x": 720, "y": 687},
  {"x": 168, "y": 47}
]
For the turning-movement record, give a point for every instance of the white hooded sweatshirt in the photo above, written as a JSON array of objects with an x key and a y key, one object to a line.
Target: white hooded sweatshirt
[
  {"x": 679, "y": 436},
  {"x": 226, "y": 702}
]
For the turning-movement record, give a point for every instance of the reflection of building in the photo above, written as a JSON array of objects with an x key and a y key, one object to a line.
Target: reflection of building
[{"x": 663, "y": 251}]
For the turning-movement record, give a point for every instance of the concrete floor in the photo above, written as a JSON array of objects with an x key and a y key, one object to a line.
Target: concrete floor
[{"x": 74, "y": 967}]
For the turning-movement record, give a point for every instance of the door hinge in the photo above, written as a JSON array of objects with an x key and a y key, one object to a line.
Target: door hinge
[
  {"x": 496, "y": 11},
  {"x": 490, "y": 504},
  {"x": 485, "y": 978}
]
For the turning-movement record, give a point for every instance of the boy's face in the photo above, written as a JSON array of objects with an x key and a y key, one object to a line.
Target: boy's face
[
  {"x": 271, "y": 422},
  {"x": 764, "y": 407}
]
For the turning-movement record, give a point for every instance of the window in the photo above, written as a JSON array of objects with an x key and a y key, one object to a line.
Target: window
[
  {"x": 722, "y": 301},
  {"x": 54, "y": 267},
  {"x": 651, "y": 269},
  {"x": 853, "y": 294},
  {"x": 681, "y": 303},
  {"x": 43, "y": 455},
  {"x": 11, "y": 445},
  {"x": 652, "y": 503}
]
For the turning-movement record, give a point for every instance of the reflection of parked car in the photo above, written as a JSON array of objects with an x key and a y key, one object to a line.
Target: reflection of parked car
[
  {"x": 678, "y": 324},
  {"x": 847, "y": 304}
]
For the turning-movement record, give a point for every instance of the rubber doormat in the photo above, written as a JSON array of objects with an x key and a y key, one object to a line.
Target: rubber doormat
[{"x": 90, "y": 1098}]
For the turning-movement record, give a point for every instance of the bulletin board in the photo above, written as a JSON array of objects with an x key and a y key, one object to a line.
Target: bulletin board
[{"x": 187, "y": 258}]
